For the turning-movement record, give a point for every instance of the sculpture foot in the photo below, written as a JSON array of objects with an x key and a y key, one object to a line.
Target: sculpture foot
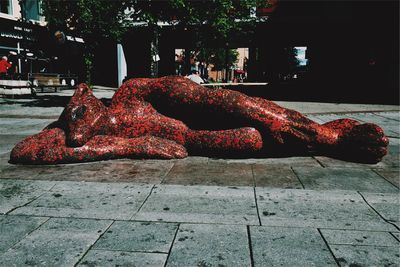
[
  {"x": 365, "y": 143},
  {"x": 342, "y": 125}
]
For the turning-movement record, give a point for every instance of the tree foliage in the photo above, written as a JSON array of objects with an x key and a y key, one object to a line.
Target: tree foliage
[
  {"x": 221, "y": 17},
  {"x": 92, "y": 19},
  {"x": 220, "y": 58},
  {"x": 89, "y": 18}
]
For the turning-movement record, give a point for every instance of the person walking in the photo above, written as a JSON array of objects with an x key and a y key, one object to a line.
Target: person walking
[{"x": 4, "y": 66}]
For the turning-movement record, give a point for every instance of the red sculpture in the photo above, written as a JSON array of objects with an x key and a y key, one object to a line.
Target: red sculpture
[{"x": 131, "y": 127}]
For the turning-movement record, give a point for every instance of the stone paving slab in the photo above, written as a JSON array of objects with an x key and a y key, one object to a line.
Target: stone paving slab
[
  {"x": 4, "y": 158},
  {"x": 26, "y": 108},
  {"x": 366, "y": 256},
  {"x": 396, "y": 235},
  {"x": 315, "y": 107},
  {"x": 389, "y": 125},
  {"x": 30, "y": 172},
  {"x": 210, "y": 245},
  {"x": 276, "y": 177},
  {"x": 138, "y": 237},
  {"x": 22, "y": 126},
  {"x": 392, "y": 159},
  {"x": 391, "y": 175},
  {"x": 8, "y": 141},
  {"x": 387, "y": 205},
  {"x": 136, "y": 171},
  {"x": 322, "y": 209},
  {"x": 122, "y": 258},
  {"x": 196, "y": 159},
  {"x": 67, "y": 172},
  {"x": 324, "y": 118},
  {"x": 89, "y": 200},
  {"x": 278, "y": 162},
  {"x": 200, "y": 204},
  {"x": 14, "y": 228},
  {"x": 15, "y": 193},
  {"x": 279, "y": 246},
  {"x": 58, "y": 242},
  {"x": 343, "y": 179},
  {"x": 361, "y": 238},
  {"x": 123, "y": 170},
  {"x": 337, "y": 163},
  {"x": 218, "y": 173},
  {"x": 390, "y": 115}
]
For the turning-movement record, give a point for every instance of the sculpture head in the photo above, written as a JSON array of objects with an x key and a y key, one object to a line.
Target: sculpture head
[{"x": 84, "y": 116}]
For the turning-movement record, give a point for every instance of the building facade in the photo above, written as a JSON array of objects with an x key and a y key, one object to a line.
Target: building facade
[{"x": 31, "y": 46}]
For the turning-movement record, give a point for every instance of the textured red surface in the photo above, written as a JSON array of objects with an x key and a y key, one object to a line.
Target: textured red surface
[{"x": 131, "y": 127}]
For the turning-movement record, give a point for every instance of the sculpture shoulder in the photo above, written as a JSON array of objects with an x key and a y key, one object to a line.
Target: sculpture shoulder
[
  {"x": 142, "y": 83},
  {"x": 138, "y": 88}
]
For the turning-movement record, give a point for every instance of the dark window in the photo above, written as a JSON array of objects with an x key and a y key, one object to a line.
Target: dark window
[
  {"x": 32, "y": 9},
  {"x": 5, "y": 6}
]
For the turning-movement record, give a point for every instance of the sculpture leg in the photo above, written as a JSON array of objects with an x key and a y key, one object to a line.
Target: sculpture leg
[
  {"x": 343, "y": 138},
  {"x": 242, "y": 140}
]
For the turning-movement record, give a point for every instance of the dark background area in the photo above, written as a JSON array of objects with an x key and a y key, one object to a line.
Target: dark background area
[{"x": 352, "y": 49}]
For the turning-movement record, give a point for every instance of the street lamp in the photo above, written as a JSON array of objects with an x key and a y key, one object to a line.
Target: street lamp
[{"x": 23, "y": 20}]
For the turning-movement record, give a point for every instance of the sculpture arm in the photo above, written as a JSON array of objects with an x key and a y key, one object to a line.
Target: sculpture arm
[{"x": 48, "y": 147}]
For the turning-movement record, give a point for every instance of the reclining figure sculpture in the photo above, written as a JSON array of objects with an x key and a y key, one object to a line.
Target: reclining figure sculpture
[{"x": 131, "y": 127}]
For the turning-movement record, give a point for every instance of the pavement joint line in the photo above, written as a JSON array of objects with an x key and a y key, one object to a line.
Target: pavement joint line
[
  {"x": 380, "y": 115},
  {"x": 319, "y": 162},
  {"x": 362, "y": 245},
  {"x": 19, "y": 241},
  {"x": 45, "y": 117},
  {"x": 350, "y": 112},
  {"x": 90, "y": 247},
  {"x": 327, "y": 245},
  {"x": 130, "y": 220},
  {"x": 254, "y": 191},
  {"x": 258, "y": 211},
  {"x": 144, "y": 201},
  {"x": 395, "y": 237},
  {"x": 357, "y": 119},
  {"x": 383, "y": 218},
  {"x": 250, "y": 246},
  {"x": 298, "y": 178},
  {"x": 384, "y": 178},
  {"x": 255, "y": 194},
  {"x": 29, "y": 202},
  {"x": 252, "y": 174},
  {"x": 166, "y": 174},
  {"x": 134, "y": 251},
  {"x": 355, "y": 230},
  {"x": 172, "y": 245}
]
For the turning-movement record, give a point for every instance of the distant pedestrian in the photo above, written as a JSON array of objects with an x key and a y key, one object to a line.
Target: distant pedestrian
[{"x": 4, "y": 65}]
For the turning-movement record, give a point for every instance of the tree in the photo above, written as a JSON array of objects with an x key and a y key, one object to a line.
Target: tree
[
  {"x": 213, "y": 21},
  {"x": 90, "y": 19},
  {"x": 220, "y": 58}
]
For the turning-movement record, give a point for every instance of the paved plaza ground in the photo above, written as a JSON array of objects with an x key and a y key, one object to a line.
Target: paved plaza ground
[{"x": 297, "y": 211}]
